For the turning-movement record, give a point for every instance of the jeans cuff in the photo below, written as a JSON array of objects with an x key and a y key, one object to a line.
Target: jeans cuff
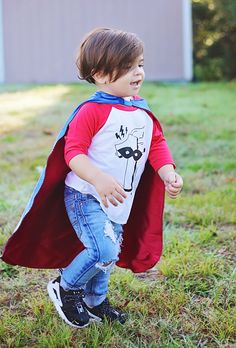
[
  {"x": 94, "y": 300},
  {"x": 66, "y": 286}
]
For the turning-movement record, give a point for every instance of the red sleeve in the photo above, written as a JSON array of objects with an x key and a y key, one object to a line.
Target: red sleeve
[
  {"x": 159, "y": 154},
  {"x": 86, "y": 123}
]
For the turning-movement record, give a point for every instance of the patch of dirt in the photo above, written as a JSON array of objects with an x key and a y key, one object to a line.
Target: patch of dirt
[
  {"x": 227, "y": 227},
  {"x": 151, "y": 275}
]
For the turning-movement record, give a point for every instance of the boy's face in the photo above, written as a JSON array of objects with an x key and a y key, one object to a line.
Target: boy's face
[{"x": 128, "y": 85}]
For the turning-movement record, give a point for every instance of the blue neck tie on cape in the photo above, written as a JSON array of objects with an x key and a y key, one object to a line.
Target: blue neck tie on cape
[{"x": 105, "y": 98}]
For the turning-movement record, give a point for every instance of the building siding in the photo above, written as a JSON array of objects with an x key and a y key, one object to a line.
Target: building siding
[
  {"x": 187, "y": 39},
  {"x": 2, "y": 65},
  {"x": 41, "y": 37}
]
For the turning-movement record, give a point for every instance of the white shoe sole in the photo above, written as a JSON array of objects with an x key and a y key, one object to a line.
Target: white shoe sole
[{"x": 51, "y": 287}]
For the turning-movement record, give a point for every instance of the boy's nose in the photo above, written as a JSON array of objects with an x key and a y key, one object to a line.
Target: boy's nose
[{"x": 139, "y": 70}]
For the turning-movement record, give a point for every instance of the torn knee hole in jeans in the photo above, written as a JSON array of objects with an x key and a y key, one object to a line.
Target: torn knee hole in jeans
[
  {"x": 104, "y": 266},
  {"x": 109, "y": 232}
]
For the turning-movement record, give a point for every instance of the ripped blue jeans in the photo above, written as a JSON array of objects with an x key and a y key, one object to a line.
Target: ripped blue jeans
[{"x": 91, "y": 268}]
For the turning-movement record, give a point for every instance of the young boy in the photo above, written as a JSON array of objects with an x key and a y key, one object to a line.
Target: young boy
[{"x": 116, "y": 160}]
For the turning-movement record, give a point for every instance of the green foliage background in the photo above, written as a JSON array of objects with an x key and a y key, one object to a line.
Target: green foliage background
[{"x": 214, "y": 39}]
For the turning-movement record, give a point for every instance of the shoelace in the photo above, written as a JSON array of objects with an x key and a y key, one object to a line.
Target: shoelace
[{"x": 74, "y": 295}]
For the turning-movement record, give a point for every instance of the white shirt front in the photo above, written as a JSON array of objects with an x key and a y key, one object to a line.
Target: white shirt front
[{"x": 120, "y": 148}]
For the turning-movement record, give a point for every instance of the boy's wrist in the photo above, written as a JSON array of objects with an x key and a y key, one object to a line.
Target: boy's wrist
[
  {"x": 165, "y": 171},
  {"x": 94, "y": 177}
]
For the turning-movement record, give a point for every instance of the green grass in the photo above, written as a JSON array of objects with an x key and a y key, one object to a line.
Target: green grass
[{"x": 188, "y": 299}]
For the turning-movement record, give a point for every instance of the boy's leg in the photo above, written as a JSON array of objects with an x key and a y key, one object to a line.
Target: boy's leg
[
  {"x": 100, "y": 236},
  {"x": 97, "y": 233},
  {"x": 96, "y": 290},
  {"x": 97, "y": 287},
  {"x": 92, "y": 294},
  {"x": 98, "y": 306}
]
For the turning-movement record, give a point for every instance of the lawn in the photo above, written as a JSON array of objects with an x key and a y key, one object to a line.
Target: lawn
[{"x": 188, "y": 299}]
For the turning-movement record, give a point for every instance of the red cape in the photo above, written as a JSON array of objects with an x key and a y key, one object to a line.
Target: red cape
[{"x": 44, "y": 238}]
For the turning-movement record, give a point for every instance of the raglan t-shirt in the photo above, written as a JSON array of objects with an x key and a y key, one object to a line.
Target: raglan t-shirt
[{"x": 118, "y": 139}]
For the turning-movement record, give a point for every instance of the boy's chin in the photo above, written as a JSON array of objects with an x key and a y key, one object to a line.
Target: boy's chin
[{"x": 135, "y": 94}]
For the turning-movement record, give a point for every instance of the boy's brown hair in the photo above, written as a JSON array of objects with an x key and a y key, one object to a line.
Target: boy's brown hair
[{"x": 109, "y": 52}]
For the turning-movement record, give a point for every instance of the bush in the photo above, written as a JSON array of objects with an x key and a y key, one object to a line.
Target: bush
[
  {"x": 214, "y": 39},
  {"x": 211, "y": 70}
]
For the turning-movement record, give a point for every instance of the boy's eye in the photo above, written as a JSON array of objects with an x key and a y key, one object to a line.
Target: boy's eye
[
  {"x": 133, "y": 66},
  {"x": 130, "y": 67}
]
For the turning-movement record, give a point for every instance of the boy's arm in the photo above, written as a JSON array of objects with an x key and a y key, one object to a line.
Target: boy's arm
[
  {"x": 87, "y": 122},
  {"x": 162, "y": 162},
  {"x": 106, "y": 186}
]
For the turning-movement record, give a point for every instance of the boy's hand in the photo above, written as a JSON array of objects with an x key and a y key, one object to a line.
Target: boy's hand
[
  {"x": 173, "y": 181},
  {"x": 109, "y": 189},
  {"x": 173, "y": 184}
]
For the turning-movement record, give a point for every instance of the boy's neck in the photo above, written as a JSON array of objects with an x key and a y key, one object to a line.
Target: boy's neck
[{"x": 125, "y": 98}]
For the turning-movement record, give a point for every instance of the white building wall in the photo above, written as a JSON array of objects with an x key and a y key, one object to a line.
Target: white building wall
[
  {"x": 2, "y": 71},
  {"x": 41, "y": 36}
]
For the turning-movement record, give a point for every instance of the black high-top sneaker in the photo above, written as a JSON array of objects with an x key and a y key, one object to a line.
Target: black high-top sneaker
[
  {"x": 105, "y": 310},
  {"x": 69, "y": 304}
]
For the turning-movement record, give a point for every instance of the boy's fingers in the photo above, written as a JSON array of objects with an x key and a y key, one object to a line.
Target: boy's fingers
[
  {"x": 112, "y": 200},
  {"x": 121, "y": 191},
  {"x": 118, "y": 197},
  {"x": 104, "y": 201},
  {"x": 176, "y": 184},
  {"x": 171, "y": 179},
  {"x": 172, "y": 194},
  {"x": 172, "y": 189},
  {"x": 179, "y": 180},
  {"x": 175, "y": 194},
  {"x": 173, "y": 197}
]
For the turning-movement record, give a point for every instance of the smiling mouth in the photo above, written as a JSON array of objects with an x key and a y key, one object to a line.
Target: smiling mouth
[{"x": 136, "y": 83}]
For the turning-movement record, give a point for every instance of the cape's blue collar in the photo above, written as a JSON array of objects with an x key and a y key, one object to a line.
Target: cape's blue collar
[{"x": 102, "y": 97}]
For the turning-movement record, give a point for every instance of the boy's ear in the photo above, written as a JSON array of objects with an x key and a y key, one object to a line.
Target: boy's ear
[{"x": 100, "y": 78}]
